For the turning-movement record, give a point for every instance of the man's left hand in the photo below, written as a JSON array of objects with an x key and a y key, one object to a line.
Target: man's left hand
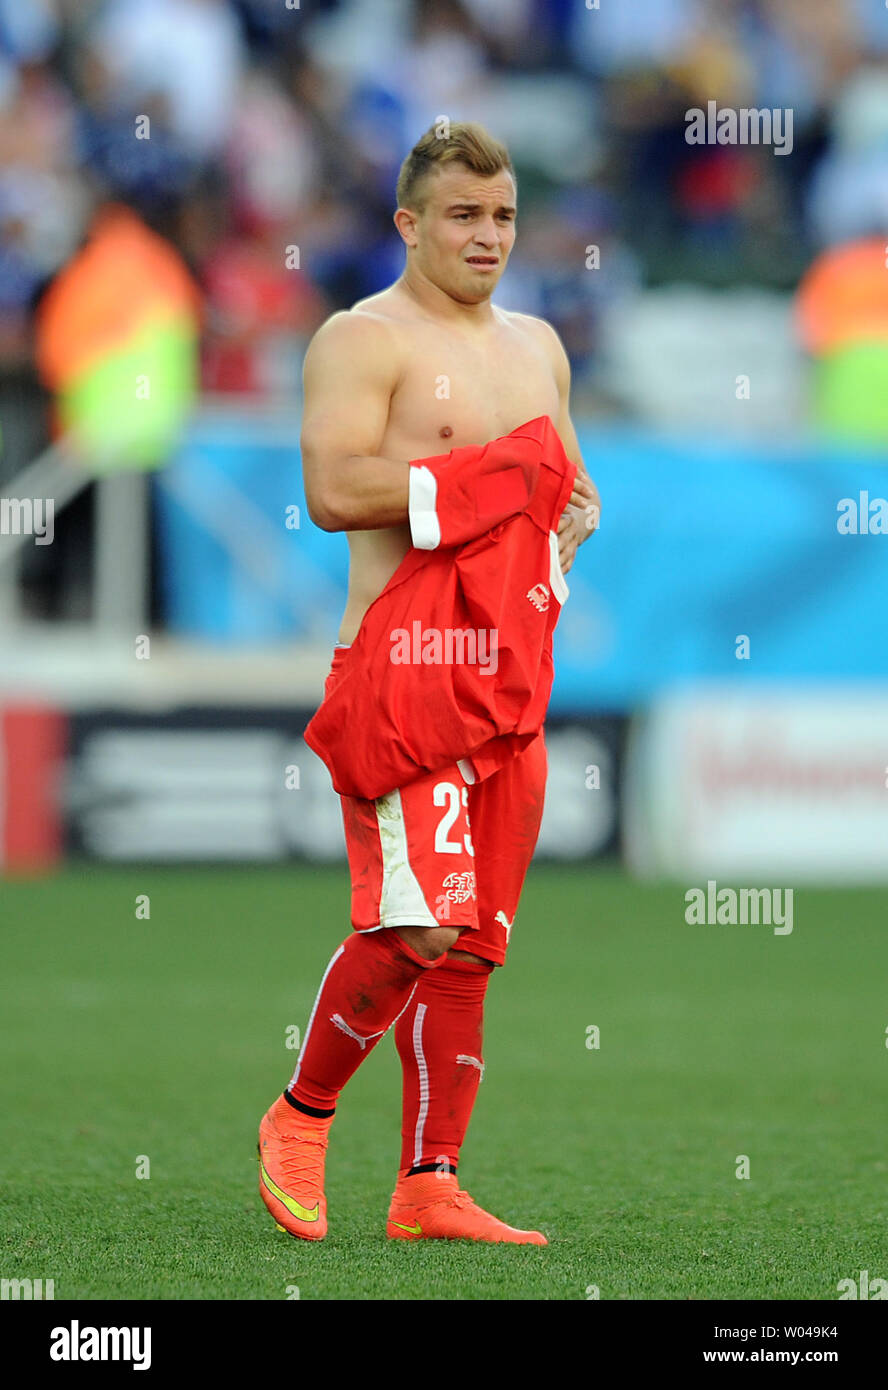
[{"x": 577, "y": 525}]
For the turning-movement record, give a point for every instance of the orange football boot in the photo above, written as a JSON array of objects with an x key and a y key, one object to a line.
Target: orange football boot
[
  {"x": 292, "y": 1149},
  {"x": 429, "y": 1206}
]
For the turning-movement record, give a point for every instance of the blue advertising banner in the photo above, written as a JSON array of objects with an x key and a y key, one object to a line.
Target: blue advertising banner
[
  {"x": 702, "y": 546},
  {"x": 712, "y": 561}
]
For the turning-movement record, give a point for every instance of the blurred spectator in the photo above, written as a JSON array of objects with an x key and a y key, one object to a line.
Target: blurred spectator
[
  {"x": 261, "y": 313},
  {"x": 186, "y": 57},
  {"x": 117, "y": 344},
  {"x": 271, "y": 128},
  {"x": 263, "y": 142},
  {"x": 849, "y": 190},
  {"x": 43, "y": 202},
  {"x": 842, "y": 310}
]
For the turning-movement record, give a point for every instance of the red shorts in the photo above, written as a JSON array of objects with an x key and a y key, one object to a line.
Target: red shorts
[{"x": 446, "y": 850}]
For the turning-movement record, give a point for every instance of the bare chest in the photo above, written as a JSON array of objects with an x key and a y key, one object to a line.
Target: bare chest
[{"x": 453, "y": 394}]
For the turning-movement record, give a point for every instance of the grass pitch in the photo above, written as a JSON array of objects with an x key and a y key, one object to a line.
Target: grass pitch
[{"x": 125, "y": 1039}]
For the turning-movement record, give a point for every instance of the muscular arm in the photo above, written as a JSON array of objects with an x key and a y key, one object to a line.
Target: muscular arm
[{"x": 350, "y": 373}]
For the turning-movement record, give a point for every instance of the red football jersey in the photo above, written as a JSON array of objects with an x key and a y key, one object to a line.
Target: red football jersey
[{"x": 453, "y": 660}]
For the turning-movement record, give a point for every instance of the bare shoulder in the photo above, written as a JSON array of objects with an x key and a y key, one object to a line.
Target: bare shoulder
[
  {"x": 356, "y": 326},
  {"x": 361, "y": 335},
  {"x": 540, "y": 331}
]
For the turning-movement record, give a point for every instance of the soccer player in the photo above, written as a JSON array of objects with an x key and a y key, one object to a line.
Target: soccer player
[{"x": 428, "y": 365}]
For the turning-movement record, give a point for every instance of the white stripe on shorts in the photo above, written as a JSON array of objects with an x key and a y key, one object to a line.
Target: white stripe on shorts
[{"x": 401, "y": 902}]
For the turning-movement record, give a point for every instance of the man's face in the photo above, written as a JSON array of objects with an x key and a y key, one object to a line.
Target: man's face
[{"x": 465, "y": 231}]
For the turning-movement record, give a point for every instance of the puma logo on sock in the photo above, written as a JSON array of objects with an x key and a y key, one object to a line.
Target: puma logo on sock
[{"x": 343, "y": 1027}]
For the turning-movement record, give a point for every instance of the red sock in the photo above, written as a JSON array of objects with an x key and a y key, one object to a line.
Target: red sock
[
  {"x": 365, "y": 987},
  {"x": 439, "y": 1038}
]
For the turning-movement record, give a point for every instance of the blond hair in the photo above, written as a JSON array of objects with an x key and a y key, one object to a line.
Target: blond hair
[{"x": 464, "y": 142}]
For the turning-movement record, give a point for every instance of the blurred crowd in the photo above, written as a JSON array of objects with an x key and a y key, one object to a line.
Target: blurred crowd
[{"x": 259, "y": 136}]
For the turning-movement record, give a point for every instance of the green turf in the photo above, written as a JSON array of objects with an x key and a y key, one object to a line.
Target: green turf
[{"x": 122, "y": 1037}]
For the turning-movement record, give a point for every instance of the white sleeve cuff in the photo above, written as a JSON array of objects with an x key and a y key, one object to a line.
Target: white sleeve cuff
[{"x": 422, "y": 496}]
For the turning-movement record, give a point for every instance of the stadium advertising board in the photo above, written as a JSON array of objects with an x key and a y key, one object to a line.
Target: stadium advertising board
[
  {"x": 795, "y": 782},
  {"x": 232, "y": 785}
]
